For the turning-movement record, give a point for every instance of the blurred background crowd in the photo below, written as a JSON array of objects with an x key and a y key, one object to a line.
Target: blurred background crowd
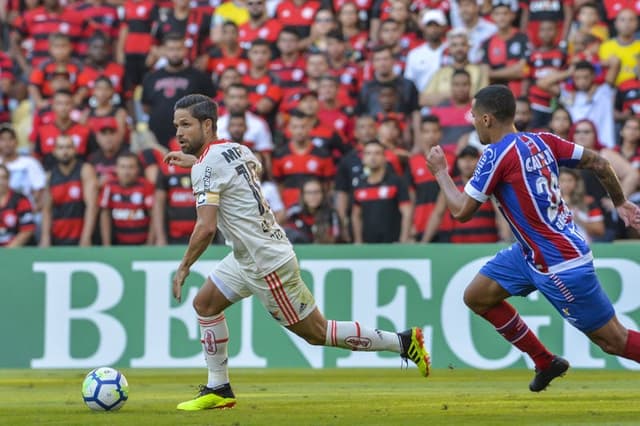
[{"x": 340, "y": 99}]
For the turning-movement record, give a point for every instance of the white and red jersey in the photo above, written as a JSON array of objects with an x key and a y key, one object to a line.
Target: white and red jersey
[{"x": 521, "y": 173}]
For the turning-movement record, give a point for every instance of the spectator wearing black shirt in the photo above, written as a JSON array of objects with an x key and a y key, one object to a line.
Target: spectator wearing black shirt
[
  {"x": 161, "y": 88},
  {"x": 382, "y": 208},
  {"x": 313, "y": 220},
  {"x": 383, "y": 74}
]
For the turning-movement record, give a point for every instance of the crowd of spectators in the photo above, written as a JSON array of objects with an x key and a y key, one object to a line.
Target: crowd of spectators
[{"x": 340, "y": 99}]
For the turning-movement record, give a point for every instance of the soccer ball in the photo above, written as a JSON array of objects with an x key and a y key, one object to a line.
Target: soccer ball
[{"x": 105, "y": 389}]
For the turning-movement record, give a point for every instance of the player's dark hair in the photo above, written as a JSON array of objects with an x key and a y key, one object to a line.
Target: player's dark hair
[
  {"x": 375, "y": 142},
  {"x": 98, "y": 36},
  {"x": 200, "y": 107},
  {"x": 585, "y": 65},
  {"x": 432, "y": 119},
  {"x": 498, "y": 101},
  {"x": 388, "y": 21}
]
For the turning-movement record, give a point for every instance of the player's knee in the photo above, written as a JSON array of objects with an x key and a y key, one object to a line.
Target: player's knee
[
  {"x": 202, "y": 307},
  {"x": 470, "y": 299},
  {"x": 613, "y": 345}
]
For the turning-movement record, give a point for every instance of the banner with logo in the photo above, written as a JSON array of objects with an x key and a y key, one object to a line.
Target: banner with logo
[{"x": 82, "y": 308}]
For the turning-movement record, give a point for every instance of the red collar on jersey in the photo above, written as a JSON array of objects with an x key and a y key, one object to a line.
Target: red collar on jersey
[{"x": 216, "y": 142}]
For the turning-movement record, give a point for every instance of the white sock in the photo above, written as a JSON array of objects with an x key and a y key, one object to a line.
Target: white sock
[
  {"x": 214, "y": 337},
  {"x": 350, "y": 335}
]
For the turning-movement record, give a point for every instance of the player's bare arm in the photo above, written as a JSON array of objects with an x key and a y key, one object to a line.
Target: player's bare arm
[
  {"x": 203, "y": 233},
  {"x": 180, "y": 159},
  {"x": 629, "y": 212},
  {"x": 461, "y": 205}
]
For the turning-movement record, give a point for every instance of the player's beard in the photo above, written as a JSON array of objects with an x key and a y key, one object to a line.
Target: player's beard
[{"x": 194, "y": 145}]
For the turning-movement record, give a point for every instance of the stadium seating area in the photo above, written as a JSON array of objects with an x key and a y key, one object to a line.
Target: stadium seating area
[{"x": 87, "y": 91}]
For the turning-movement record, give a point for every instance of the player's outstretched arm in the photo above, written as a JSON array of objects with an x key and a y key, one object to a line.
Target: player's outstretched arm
[
  {"x": 180, "y": 159},
  {"x": 461, "y": 205},
  {"x": 629, "y": 212},
  {"x": 203, "y": 233}
]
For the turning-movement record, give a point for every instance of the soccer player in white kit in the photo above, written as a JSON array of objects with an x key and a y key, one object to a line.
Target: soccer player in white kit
[{"x": 262, "y": 261}]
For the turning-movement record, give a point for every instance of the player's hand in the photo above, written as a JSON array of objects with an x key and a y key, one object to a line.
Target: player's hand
[
  {"x": 178, "y": 282},
  {"x": 630, "y": 214},
  {"x": 180, "y": 159},
  {"x": 436, "y": 161}
]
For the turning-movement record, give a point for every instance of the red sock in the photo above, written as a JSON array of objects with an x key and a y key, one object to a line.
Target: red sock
[
  {"x": 632, "y": 348},
  {"x": 507, "y": 322}
]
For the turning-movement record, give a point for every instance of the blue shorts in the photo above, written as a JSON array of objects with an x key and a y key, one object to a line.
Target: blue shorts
[{"x": 575, "y": 293}]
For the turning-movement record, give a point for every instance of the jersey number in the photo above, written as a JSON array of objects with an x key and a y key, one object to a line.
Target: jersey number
[
  {"x": 550, "y": 189},
  {"x": 251, "y": 178}
]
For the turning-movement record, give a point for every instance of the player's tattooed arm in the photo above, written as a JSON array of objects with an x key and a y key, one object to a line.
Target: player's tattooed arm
[{"x": 591, "y": 160}]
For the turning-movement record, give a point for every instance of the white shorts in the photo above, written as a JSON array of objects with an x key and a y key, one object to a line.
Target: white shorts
[{"x": 283, "y": 293}]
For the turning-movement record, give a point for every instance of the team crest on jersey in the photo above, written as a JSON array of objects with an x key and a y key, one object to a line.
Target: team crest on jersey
[
  {"x": 383, "y": 192},
  {"x": 515, "y": 49},
  {"x": 307, "y": 13},
  {"x": 312, "y": 165}
]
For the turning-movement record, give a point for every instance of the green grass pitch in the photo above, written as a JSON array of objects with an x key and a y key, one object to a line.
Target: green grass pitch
[{"x": 332, "y": 397}]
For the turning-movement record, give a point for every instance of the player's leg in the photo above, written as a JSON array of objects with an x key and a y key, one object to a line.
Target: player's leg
[
  {"x": 351, "y": 335},
  {"x": 587, "y": 307},
  {"x": 500, "y": 278},
  {"x": 221, "y": 289},
  {"x": 289, "y": 301}
]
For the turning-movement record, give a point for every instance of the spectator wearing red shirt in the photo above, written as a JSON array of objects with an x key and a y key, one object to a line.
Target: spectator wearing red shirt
[
  {"x": 16, "y": 214},
  {"x": 264, "y": 87},
  {"x": 6, "y": 80},
  {"x": 289, "y": 66},
  {"x": 104, "y": 110},
  {"x": 99, "y": 64},
  {"x": 37, "y": 25},
  {"x": 534, "y": 12},
  {"x": 70, "y": 209},
  {"x": 544, "y": 60},
  {"x": 332, "y": 112},
  {"x": 506, "y": 52},
  {"x": 351, "y": 26},
  {"x": 455, "y": 113},
  {"x": 135, "y": 40},
  {"x": 259, "y": 25},
  {"x": 485, "y": 225},
  {"x": 382, "y": 208},
  {"x": 174, "y": 215},
  {"x": 125, "y": 205},
  {"x": 192, "y": 24},
  {"x": 300, "y": 159},
  {"x": 227, "y": 52},
  {"x": 347, "y": 72},
  {"x": 98, "y": 16},
  {"x": 317, "y": 66},
  {"x": 45, "y": 136},
  {"x": 110, "y": 146},
  {"x": 298, "y": 14},
  {"x": 59, "y": 61}
]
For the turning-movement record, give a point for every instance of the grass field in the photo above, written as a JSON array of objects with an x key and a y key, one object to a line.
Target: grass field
[{"x": 332, "y": 397}]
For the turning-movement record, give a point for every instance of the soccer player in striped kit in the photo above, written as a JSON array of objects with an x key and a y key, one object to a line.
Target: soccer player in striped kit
[
  {"x": 520, "y": 172},
  {"x": 262, "y": 263}
]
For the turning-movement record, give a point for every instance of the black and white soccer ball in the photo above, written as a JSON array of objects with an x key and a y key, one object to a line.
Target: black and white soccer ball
[{"x": 105, "y": 389}]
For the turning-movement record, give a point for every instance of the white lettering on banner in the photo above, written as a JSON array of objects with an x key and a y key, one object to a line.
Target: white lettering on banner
[
  {"x": 59, "y": 313},
  {"x": 158, "y": 316},
  {"x": 364, "y": 304},
  {"x": 456, "y": 322}
]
